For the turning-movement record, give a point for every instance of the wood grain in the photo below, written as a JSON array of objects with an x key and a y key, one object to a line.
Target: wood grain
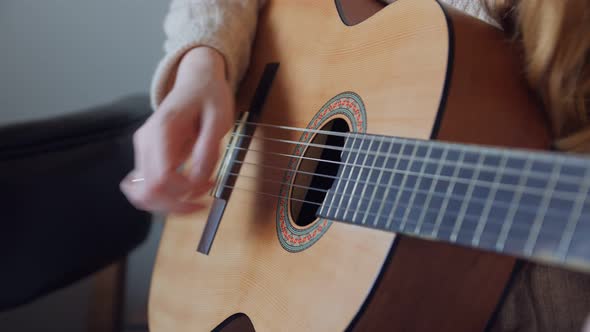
[
  {"x": 397, "y": 61},
  {"x": 399, "y": 72},
  {"x": 430, "y": 286}
]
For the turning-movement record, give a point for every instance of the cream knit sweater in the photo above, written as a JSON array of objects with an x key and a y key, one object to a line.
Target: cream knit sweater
[{"x": 229, "y": 27}]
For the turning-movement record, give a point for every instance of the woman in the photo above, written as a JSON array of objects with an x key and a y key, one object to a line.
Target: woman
[{"x": 208, "y": 49}]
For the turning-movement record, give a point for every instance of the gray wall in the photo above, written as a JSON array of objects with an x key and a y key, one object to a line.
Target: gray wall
[{"x": 61, "y": 55}]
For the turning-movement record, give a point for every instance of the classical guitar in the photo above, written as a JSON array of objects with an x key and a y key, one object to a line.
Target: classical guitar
[{"x": 387, "y": 175}]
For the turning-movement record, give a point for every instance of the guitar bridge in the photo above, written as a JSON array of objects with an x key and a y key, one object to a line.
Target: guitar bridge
[{"x": 236, "y": 151}]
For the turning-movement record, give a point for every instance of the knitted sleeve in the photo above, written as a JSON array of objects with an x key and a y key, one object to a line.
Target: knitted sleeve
[
  {"x": 229, "y": 27},
  {"x": 471, "y": 7},
  {"x": 225, "y": 25}
]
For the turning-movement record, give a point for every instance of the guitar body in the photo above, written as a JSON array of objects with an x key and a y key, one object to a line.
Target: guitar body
[{"x": 420, "y": 70}]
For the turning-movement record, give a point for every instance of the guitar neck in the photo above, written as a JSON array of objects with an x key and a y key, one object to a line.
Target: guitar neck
[{"x": 522, "y": 203}]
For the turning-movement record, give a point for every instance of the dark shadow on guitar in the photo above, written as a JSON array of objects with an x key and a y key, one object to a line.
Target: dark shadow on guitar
[
  {"x": 353, "y": 12},
  {"x": 235, "y": 323}
]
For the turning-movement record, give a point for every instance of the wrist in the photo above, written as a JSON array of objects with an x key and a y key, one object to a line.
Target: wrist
[{"x": 201, "y": 61}]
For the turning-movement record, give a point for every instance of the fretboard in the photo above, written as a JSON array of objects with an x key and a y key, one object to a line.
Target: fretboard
[{"x": 522, "y": 203}]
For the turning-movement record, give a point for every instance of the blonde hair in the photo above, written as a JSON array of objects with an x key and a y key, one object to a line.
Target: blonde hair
[{"x": 555, "y": 37}]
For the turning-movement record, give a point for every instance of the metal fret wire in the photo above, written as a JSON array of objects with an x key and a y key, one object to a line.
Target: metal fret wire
[
  {"x": 448, "y": 195},
  {"x": 572, "y": 223},
  {"x": 375, "y": 192},
  {"x": 468, "y": 193},
  {"x": 430, "y": 191},
  {"x": 400, "y": 188},
  {"x": 484, "y": 236},
  {"x": 399, "y": 195},
  {"x": 364, "y": 190},
  {"x": 355, "y": 182},
  {"x": 540, "y": 216},
  {"x": 401, "y": 149},
  {"x": 417, "y": 185},
  {"x": 513, "y": 208},
  {"x": 488, "y": 206},
  {"x": 346, "y": 184}
]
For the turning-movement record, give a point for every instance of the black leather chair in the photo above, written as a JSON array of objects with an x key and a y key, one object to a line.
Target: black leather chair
[{"x": 62, "y": 214}]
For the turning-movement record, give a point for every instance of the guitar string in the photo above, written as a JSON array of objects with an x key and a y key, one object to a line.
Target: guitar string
[
  {"x": 506, "y": 170},
  {"x": 565, "y": 178},
  {"x": 353, "y": 196},
  {"x": 517, "y": 152},
  {"x": 493, "y": 221},
  {"x": 548, "y": 234},
  {"x": 561, "y": 194},
  {"x": 324, "y": 146}
]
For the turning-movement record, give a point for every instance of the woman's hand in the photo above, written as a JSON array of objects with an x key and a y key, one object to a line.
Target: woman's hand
[{"x": 190, "y": 122}]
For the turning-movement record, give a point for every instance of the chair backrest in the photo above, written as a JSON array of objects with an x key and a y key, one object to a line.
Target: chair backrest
[{"x": 63, "y": 216}]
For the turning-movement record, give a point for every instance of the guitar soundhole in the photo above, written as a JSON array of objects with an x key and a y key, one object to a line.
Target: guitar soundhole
[{"x": 314, "y": 178}]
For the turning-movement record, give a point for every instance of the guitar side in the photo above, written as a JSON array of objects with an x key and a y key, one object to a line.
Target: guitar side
[
  {"x": 397, "y": 60},
  {"x": 432, "y": 286}
]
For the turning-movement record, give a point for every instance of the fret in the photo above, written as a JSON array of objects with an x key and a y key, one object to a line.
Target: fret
[
  {"x": 575, "y": 217},
  {"x": 399, "y": 192},
  {"x": 402, "y": 187},
  {"x": 466, "y": 200},
  {"x": 431, "y": 190},
  {"x": 579, "y": 250},
  {"x": 418, "y": 190},
  {"x": 502, "y": 204},
  {"x": 507, "y": 187},
  {"x": 481, "y": 223},
  {"x": 366, "y": 185},
  {"x": 552, "y": 227},
  {"x": 390, "y": 182},
  {"x": 569, "y": 187},
  {"x": 514, "y": 202},
  {"x": 501, "y": 242},
  {"x": 445, "y": 203},
  {"x": 566, "y": 178},
  {"x": 353, "y": 168},
  {"x": 417, "y": 185},
  {"x": 342, "y": 175},
  {"x": 375, "y": 190},
  {"x": 540, "y": 215},
  {"x": 361, "y": 180}
]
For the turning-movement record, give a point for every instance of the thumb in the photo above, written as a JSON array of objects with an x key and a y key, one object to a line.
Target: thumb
[{"x": 206, "y": 149}]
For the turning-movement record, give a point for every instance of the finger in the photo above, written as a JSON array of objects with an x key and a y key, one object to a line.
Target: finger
[
  {"x": 163, "y": 204},
  {"x": 155, "y": 194},
  {"x": 166, "y": 144},
  {"x": 169, "y": 206},
  {"x": 159, "y": 151},
  {"x": 206, "y": 150},
  {"x": 189, "y": 203},
  {"x": 197, "y": 192},
  {"x": 182, "y": 208}
]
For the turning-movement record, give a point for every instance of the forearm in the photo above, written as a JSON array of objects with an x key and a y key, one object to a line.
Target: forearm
[{"x": 227, "y": 26}]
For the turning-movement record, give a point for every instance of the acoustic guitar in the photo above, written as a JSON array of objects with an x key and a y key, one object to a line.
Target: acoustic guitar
[{"x": 389, "y": 170}]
